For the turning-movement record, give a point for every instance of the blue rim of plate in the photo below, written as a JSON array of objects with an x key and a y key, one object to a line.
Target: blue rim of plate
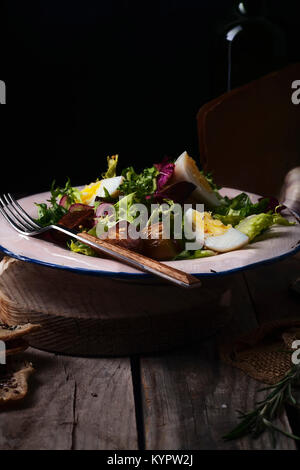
[{"x": 141, "y": 276}]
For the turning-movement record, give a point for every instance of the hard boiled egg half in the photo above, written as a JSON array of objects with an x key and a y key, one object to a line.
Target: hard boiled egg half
[
  {"x": 213, "y": 234},
  {"x": 186, "y": 170},
  {"x": 231, "y": 239},
  {"x": 90, "y": 192}
]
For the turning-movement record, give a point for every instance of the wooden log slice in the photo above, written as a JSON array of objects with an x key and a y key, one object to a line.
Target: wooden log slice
[{"x": 89, "y": 315}]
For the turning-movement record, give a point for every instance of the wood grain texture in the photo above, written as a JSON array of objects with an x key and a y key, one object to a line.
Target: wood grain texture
[
  {"x": 73, "y": 403},
  {"x": 191, "y": 401},
  {"x": 90, "y": 315},
  {"x": 190, "y": 398},
  {"x": 144, "y": 263}
]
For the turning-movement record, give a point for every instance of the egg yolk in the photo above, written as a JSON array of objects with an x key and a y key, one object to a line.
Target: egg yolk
[
  {"x": 211, "y": 227},
  {"x": 197, "y": 174},
  {"x": 89, "y": 193}
]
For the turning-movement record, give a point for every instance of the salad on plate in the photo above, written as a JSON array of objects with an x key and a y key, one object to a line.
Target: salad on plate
[{"x": 169, "y": 211}]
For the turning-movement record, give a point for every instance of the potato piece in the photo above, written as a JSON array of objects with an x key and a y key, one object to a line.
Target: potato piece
[
  {"x": 158, "y": 247},
  {"x": 118, "y": 235}
]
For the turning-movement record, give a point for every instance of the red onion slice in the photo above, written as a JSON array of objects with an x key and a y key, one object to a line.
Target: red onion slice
[
  {"x": 104, "y": 209},
  {"x": 64, "y": 201}
]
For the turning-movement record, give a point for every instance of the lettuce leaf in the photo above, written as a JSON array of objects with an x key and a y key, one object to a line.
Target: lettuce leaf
[
  {"x": 123, "y": 207},
  {"x": 79, "y": 247},
  {"x": 234, "y": 210},
  {"x": 280, "y": 220},
  {"x": 209, "y": 177},
  {"x": 142, "y": 184},
  {"x": 49, "y": 215},
  {"x": 111, "y": 167},
  {"x": 194, "y": 254},
  {"x": 52, "y": 213},
  {"x": 122, "y": 212},
  {"x": 233, "y": 217},
  {"x": 254, "y": 225}
]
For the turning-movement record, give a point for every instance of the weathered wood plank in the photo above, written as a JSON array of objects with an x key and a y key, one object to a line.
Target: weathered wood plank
[
  {"x": 190, "y": 398},
  {"x": 82, "y": 315},
  {"x": 104, "y": 411},
  {"x": 44, "y": 420},
  {"x": 74, "y": 403},
  {"x": 190, "y": 402}
]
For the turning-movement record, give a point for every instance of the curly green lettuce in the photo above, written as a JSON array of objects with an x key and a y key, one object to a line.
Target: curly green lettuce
[
  {"x": 142, "y": 184},
  {"x": 111, "y": 167},
  {"x": 52, "y": 213},
  {"x": 232, "y": 211},
  {"x": 79, "y": 247}
]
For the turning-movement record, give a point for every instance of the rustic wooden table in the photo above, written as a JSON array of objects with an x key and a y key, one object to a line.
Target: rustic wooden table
[{"x": 183, "y": 399}]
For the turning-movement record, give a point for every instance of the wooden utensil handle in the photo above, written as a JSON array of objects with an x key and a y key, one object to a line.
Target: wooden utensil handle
[{"x": 140, "y": 261}]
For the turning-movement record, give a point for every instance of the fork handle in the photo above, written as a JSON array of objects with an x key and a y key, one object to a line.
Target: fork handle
[{"x": 136, "y": 260}]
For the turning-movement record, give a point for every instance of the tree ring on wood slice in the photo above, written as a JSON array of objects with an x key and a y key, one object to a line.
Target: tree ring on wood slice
[{"x": 88, "y": 315}]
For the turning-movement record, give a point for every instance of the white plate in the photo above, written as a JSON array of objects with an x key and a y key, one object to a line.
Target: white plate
[{"x": 277, "y": 243}]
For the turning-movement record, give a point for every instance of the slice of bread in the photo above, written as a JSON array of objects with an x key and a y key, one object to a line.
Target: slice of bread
[
  {"x": 12, "y": 332},
  {"x": 14, "y": 383}
]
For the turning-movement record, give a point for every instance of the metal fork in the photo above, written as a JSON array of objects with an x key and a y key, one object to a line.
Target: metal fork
[{"x": 26, "y": 225}]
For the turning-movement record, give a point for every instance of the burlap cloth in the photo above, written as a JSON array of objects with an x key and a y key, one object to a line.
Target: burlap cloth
[{"x": 265, "y": 353}]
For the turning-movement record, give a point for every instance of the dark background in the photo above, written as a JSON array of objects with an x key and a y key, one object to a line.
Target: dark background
[{"x": 90, "y": 78}]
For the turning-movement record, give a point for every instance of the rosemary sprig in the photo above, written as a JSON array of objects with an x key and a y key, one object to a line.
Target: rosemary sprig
[{"x": 261, "y": 419}]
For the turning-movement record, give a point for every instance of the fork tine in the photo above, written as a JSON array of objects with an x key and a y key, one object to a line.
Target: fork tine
[
  {"x": 22, "y": 212},
  {"x": 13, "y": 217},
  {"x": 11, "y": 221},
  {"x": 12, "y": 211}
]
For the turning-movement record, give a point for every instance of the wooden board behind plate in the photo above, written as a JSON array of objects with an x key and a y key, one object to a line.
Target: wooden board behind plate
[{"x": 88, "y": 315}]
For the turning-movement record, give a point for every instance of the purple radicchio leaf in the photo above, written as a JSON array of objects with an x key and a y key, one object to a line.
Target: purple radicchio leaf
[
  {"x": 273, "y": 204},
  {"x": 177, "y": 192},
  {"x": 166, "y": 169}
]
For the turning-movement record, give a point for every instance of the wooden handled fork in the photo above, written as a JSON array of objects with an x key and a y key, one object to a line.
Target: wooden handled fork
[{"x": 26, "y": 225}]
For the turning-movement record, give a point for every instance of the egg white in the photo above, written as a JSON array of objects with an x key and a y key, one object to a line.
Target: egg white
[
  {"x": 91, "y": 191},
  {"x": 193, "y": 221},
  {"x": 231, "y": 240},
  {"x": 187, "y": 170},
  {"x": 111, "y": 185}
]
